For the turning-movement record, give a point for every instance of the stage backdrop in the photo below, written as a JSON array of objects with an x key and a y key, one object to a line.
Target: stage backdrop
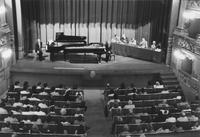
[{"x": 99, "y": 20}]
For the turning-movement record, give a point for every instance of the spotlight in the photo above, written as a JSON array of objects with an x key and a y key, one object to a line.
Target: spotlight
[
  {"x": 179, "y": 55},
  {"x": 6, "y": 53}
]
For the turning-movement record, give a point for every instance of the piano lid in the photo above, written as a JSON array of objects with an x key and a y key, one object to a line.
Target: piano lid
[{"x": 60, "y": 37}]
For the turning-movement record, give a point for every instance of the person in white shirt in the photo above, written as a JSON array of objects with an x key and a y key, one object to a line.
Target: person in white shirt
[
  {"x": 182, "y": 118},
  {"x": 153, "y": 46},
  {"x": 130, "y": 105},
  {"x": 171, "y": 119},
  {"x": 133, "y": 42},
  {"x": 158, "y": 85},
  {"x": 143, "y": 43}
]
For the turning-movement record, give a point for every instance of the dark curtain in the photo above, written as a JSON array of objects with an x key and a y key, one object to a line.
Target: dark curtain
[{"x": 99, "y": 20}]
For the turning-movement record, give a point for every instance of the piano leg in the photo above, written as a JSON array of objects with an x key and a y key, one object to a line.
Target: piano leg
[{"x": 99, "y": 58}]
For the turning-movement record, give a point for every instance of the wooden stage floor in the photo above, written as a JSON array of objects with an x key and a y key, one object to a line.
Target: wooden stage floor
[{"x": 114, "y": 71}]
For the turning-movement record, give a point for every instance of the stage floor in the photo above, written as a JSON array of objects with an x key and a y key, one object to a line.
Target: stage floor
[
  {"x": 122, "y": 69},
  {"x": 119, "y": 64}
]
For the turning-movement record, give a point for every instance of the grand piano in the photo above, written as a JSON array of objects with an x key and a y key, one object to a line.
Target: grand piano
[{"x": 73, "y": 44}]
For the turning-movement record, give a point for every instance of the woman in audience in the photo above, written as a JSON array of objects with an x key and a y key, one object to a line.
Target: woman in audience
[
  {"x": 25, "y": 85},
  {"x": 79, "y": 98}
]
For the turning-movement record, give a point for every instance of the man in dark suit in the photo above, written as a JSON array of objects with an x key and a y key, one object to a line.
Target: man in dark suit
[{"x": 38, "y": 49}]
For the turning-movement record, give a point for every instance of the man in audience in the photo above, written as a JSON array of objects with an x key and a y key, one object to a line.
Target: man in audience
[
  {"x": 143, "y": 43},
  {"x": 182, "y": 118},
  {"x": 130, "y": 105}
]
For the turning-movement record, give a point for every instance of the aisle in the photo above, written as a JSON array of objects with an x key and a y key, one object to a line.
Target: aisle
[{"x": 99, "y": 125}]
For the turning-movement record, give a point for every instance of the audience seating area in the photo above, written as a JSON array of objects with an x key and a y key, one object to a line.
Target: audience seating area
[
  {"x": 150, "y": 112},
  {"x": 39, "y": 110}
]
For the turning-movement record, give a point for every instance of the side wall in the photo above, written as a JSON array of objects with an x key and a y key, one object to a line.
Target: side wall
[
  {"x": 6, "y": 30},
  {"x": 187, "y": 68}
]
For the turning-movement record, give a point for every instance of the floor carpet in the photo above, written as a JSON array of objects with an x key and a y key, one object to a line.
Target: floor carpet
[{"x": 99, "y": 125}]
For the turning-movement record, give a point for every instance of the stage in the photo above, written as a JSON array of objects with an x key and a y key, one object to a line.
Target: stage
[{"x": 87, "y": 74}]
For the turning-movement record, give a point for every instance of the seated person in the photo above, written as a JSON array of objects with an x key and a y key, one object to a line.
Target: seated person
[
  {"x": 7, "y": 128},
  {"x": 163, "y": 104},
  {"x": 171, "y": 119},
  {"x": 182, "y": 118},
  {"x": 130, "y": 105},
  {"x": 25, "y": 85},
  {"x": 63, "y": 111},
  {"x": 10, "y": 118},
  {"x": 55, "y": 93},
  {"x": 39, "y": 85},
  {"x": 39, "y": 112},
  {"x": 17, "y": 103},
  {"x": 143, "y": 43},
  {"x": 124, "y": 38},
  {"x": 160, "y": 117},
  {"x": 115, "y": 39},
  {"x": 125, "y": 131},
  {"x": 158, "y": 47},
  {"x": 45, "y": 86},
  {"x": 115, "y": 106},
  {"x": 158, "y": 85},
  {"x": 192, "y": 118},
  {"x": 153, "y": 46},
  {"x": 16, "y": 85},
  {"x": 133, "y": 42},
  {"x": 42, "y": 105}
]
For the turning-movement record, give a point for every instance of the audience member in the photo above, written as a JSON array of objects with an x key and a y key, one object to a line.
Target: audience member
[
  {"x": 10, "y": 118},
  {"x": 130, "y": 105},
  {"x": 182, "y": 118},
  {"x": 7, "y": 128}
]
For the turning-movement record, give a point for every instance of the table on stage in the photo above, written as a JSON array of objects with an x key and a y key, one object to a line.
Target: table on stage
[{"x": 128, "y": 50}]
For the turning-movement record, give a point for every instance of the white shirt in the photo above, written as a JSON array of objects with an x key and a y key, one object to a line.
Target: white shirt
[
  {"x": 17, "y": 104},
  {"x": 129, "y": 106},
  {"x": 171, "y": 120}
]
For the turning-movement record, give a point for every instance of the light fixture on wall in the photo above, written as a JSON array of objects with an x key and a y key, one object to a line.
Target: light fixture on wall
[
  {"x": 190, "y": 14},
  {"x": 2, "y": 10},
  {"x": 6, "y": 53},
  {"x": 179, "y": 55}
]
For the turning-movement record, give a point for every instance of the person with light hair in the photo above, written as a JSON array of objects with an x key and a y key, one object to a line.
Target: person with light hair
[
  {"x": 130, "y": 105},
  {"x": 143, "y": 43},
  {"x": 153, "y": 46}
]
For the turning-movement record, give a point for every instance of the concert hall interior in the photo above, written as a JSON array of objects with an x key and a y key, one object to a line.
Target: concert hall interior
[{"x": 99, "y": 68}]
